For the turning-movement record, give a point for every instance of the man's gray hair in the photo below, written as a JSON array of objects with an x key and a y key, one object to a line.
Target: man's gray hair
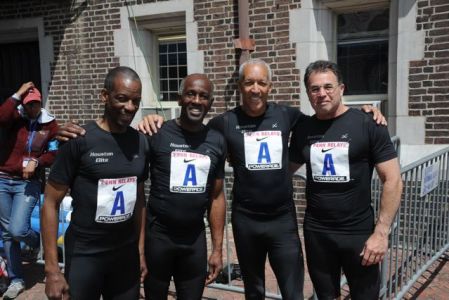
[{"x": 254, "y": 61}]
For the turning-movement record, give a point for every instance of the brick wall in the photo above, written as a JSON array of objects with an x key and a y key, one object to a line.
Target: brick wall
[
  {"x": 269, "y": 27},
  {"x": 429, "y": 77}
]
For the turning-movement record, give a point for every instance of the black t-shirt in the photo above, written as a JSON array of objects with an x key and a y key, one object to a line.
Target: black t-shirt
[
  {"x": 258, "y": 148},
  {"x": 184, "y": 166},
  {"x": 102, "y": 170},
  {"x": 340, "y": 155}
]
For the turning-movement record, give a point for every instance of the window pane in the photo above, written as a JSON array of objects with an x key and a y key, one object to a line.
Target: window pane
[
  {"x": 172, "y": 48},
  {"x": 173, "y": 96},
  {"x": 364, "y": 67},
  {"x": 163, "y": 48},
  {"x": 182, "y": 59},
  {"x": 173, "y": 72},
  {"x": 164, "y": 97},
  {"x": 368, "y": 24},
  {"x": 182, "y": 72},
  {"x": 173, "y": 67},
  {"x": 182, "y": 47},
  {"x": 173, "y": 85},
  {"x": 164, "y": 85},
  {"x": 162, "y": 72},
  {"x": 163, "y": 60},
  {"x": 362, "y": 52},
  {"x": 173, "y": 59}
]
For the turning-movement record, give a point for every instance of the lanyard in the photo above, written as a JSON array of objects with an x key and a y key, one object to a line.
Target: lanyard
[{"x": 31, "y": 135}]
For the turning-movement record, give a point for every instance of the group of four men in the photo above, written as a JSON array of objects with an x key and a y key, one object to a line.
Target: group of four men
[{"x": 110, "y": 229}]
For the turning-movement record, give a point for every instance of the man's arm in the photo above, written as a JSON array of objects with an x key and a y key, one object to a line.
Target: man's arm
[
  {"x": 293, "y": 167},
  {"x": 378, "y": 117},
  {"x": 140, "y": 228},
  {"x": 216, "y": 216},
  {"x": 377, "y": 244},
  {"x": 55, "y": 284},
  {"x": 69, "y": 130},
  {"x": 150, "y": 124}
]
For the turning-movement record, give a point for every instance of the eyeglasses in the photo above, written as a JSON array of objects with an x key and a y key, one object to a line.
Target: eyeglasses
[{"x": 328, "y": 88}]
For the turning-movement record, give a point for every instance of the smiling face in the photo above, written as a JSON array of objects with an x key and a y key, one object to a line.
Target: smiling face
[
  {"x": 122, "y": 102},
  {"x": 255, "y": 86},
  {"x": 325, "y": 95},
  {"x": 195, "y": 100}
]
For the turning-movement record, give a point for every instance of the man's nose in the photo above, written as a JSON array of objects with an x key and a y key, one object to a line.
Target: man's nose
[
  {"x": 322, "y": 91},
  {"x": 130, "y": 106}
]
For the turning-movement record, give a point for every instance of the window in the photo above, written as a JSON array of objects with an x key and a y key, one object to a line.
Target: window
[
  {"x": 362, "y": 51},
  {"x": 172, "y": 66}
]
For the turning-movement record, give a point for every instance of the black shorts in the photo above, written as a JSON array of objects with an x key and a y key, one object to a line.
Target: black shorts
[
  {"x": 277, "y": 238},
  {"x": 181, "y": 256},
  {"x": 330, "y": 253},
  {"x": 115, "y": 275}
]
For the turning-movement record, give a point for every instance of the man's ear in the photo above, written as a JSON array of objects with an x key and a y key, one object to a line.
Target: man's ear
[
  {"x": 211, "y": 101},
  {"x": 342, "y": 89},
  {"x": 179, "y": 100},
  {"x": 104, "y": 95}
]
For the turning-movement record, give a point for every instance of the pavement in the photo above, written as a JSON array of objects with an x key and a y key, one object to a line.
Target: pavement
[{"x": 432, "y": 285}]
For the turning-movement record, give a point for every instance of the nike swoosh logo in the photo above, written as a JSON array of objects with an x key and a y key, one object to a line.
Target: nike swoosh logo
[
  {"x": 188, "y": 160},
  {"x": 261, "y": 139},
  {"x": 114, "y": 188},
  {"x": 325, "y": 150}
]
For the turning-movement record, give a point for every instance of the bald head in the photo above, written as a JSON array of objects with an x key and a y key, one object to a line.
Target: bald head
[
  {"x": 126, "y": 74},
  {"x": 194, "y": 77}
]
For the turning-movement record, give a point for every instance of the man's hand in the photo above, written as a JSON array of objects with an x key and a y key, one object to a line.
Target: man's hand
[
  {"x": 28, "y": 171},
  {"x": 56, "y": 287},
  {"x": 24, "y": 88},
  {"x": 69, "y": 130},
  {"x": 375, "y": 248},
  {"x": 150, "y": 124},
  {"x": 143, "y": 267},
  {"x": 377, "y": 115},
  {"x": 215, "y": 266}
]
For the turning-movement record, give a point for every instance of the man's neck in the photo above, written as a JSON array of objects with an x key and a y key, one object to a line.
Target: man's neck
[
  {"x": 189, "y": 126},
  {"x": 106, "y": 125}
]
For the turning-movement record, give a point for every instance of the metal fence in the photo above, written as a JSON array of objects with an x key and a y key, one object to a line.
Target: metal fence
[{"x": 420, "y": 233}]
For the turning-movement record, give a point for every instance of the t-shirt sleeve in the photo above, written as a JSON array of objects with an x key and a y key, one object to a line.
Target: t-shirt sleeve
[
  {"x": 217, "y": 123},
  {"x": 297, "y": 142},
  {"x": 146, "y": 145},
  {"x": 65, "y": 166},
  {"x": 382, "y": 148},
  {"x": 294, "y": 115},
  {"x": 222, "y": 159}
]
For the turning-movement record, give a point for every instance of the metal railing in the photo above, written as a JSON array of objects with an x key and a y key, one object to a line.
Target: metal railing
[{"x": 420, "y": 233}]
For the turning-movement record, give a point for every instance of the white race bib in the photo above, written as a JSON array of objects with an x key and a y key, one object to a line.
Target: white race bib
[
  {"x": 116, "y": 199},
  {"x": 330, "y": 162},
  {"x": 188, "y": 172},
  {"x": 263, "y": 150}
]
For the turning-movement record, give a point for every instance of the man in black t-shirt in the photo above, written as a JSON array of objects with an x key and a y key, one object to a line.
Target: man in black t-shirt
[
  {"x": 187, "y": 171},
  {"x": 105, "y": 172},
  {"x": 340, "y": 147}
]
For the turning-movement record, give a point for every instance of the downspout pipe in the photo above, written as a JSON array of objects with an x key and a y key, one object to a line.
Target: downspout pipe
[{"x": 244, "y": 43}]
